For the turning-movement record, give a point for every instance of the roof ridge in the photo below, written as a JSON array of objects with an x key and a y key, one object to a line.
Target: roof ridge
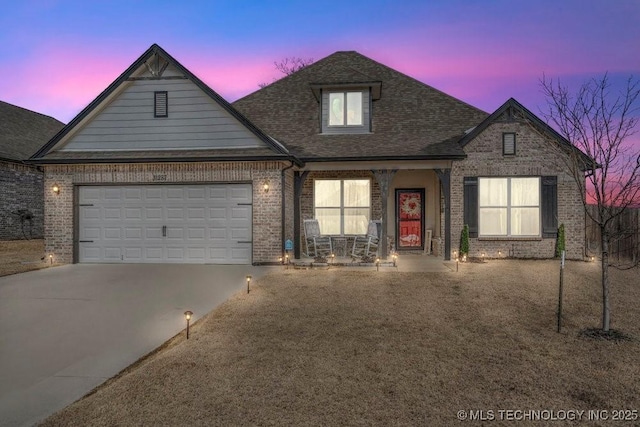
[{"x": 32, "y": 111}]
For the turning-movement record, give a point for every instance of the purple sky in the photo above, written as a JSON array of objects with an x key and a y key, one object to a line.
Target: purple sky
[{"x": 57, "y": 56}]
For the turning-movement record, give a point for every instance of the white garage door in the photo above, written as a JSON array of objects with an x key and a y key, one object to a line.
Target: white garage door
[{"x": 199, "y": 224}]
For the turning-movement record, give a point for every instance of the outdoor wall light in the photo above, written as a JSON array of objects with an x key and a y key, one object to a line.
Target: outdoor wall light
[
  {"x": 55, "y": 189},
  {"x": 265, "y": 186},
  {"x": 187, "y": 316},
  {"x": 248, "y": 282}
]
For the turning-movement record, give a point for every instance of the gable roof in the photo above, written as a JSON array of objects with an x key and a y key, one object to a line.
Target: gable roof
[
  {"x": 410, "y": 120},
  {"x": 516, "y": 111},
  {"x": 23, "y": 132},
  {"x": 47, "y": 154}
]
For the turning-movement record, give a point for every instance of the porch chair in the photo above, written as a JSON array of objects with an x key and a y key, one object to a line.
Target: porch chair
[
  {"x": 368, "y": 244},
  {"x": 316, "y": 243}
]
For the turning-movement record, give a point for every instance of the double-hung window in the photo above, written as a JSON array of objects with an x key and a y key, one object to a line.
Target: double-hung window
[
  {"x": 509, "y": 206},
  {"x": 342, "y": 206}
]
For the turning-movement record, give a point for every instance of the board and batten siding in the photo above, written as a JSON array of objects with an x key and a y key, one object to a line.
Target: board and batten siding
[
  {"x": 195, "y": 121},
  {"x": 366, "y": 116}
]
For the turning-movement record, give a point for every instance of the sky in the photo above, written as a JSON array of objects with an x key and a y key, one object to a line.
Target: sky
[{"x": 57, "y": 56}]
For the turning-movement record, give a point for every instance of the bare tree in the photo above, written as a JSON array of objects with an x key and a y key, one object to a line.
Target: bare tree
[
  {"x": 289, "y": 65},
  {"x": 600, "y": 122}
]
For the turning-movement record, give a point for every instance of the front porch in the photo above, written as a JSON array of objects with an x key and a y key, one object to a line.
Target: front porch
[{"x": 410, "y": 198}]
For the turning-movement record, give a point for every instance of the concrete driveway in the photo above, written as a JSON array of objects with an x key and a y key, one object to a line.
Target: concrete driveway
[{"x": 67, "y": 329}]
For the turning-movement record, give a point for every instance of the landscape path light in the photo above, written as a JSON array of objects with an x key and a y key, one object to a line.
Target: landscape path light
[
  {"x": 187, "y": 316},
  {"x": 248, "y": 282}
]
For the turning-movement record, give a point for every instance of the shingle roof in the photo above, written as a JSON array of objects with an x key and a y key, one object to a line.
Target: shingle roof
[
  {"x": 410, "y": 120},
  {"x": 23, "y": 132}
]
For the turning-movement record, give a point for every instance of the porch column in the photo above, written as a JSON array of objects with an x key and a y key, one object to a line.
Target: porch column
[
  {"x": 384, "y": 178},
  {"x": 444, "y": 175},
  {"x": 298, "y": 181}
]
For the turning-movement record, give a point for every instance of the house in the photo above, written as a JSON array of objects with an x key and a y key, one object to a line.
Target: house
[
  {"x": 22, "y": 133},
  {"x": 160, "y": 168}
]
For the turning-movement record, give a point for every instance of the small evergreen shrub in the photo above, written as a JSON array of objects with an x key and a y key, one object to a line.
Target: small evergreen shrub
[
  {"x": 560, "y": 243},
  {"x": 464, "y": 241}
]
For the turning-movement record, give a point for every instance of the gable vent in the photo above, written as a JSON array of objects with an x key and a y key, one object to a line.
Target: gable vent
[
  {"x": 160, "y": 105},
  {"x": 509, "y": 144}
]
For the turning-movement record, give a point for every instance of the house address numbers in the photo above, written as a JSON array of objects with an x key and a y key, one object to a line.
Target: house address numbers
[{"x": 159, "y": 177}]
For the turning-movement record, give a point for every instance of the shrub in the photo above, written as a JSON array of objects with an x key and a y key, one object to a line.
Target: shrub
[
  {"x": 560, "y": 244},
  {"x": 464, "y": 241}
]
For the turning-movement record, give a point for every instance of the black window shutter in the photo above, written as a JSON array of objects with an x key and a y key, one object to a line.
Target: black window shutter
[
  {"x": 549, "y": 206},
  {"x": 471, "y": 204}
]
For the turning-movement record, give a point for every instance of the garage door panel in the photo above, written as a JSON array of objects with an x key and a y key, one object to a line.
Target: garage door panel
[
  {"x": 218, "y": 234},
  {"x": 133, "y": 254},
  {"x": 240, "y": 234},
  {"x": 194, "y": 233},
  {"x": 196, "y": 193},
  {"x": 89, "y": 213},
  {"x": 89, "y": 253},
  {"x": 153, "y": 194},
  {"x": 175, "y": 193},
  {"x": 112, "y": 233},
  {"x": 174, "y": 233},
  {"x": 175, "y": 213},
  {"x": 196, "y": 254},
  {"x": 202, "y": 223},
  {"x": 133, "y": 194},
  {"x": 111, "y": 213},
  {"x": 112, "y": 193},
  {"x": 241, "y": 212},
  {"x": 133, "y": 213},
  {"x": 133, "y": 233},
  {"x": 88, "y": 233},
  {"x": 218, "y": 213},
  {"x": 112, "y": 254},
  {"x": 196, "y": 213}
]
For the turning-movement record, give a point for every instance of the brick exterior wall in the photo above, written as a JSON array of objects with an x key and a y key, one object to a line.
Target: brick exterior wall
[
  {"x": 535, "y": 156},
  {"x": 22, "y": 188},
  {"x": 267, "y": 213}
]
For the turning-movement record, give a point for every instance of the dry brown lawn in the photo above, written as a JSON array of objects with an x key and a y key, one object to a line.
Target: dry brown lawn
[
  {"x": 18, "y": 256},
  {"x": 365, "y": 348}
]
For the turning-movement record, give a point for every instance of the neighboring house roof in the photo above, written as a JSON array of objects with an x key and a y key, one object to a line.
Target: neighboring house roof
[
  {"x": 410, "y": 120},
  {"x": 512, "y": 110},
  {"x": 50, "y": 153},
  {"x": 23, "y": 132}
]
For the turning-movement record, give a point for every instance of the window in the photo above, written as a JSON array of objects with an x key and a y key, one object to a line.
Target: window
[
  {"x": 342, "y": 206},
  {"x": 509, "y": 206},
  {"x": 345, "y": 109},
  {"x": 508, "y": 144},
  {"x": 160, "y": 104}
]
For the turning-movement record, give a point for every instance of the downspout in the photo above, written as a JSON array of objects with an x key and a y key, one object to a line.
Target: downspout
[{"x": 283, "y": 207}]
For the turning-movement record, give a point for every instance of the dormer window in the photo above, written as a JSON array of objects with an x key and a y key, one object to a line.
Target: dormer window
[{"x": 345, "y": 109}]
